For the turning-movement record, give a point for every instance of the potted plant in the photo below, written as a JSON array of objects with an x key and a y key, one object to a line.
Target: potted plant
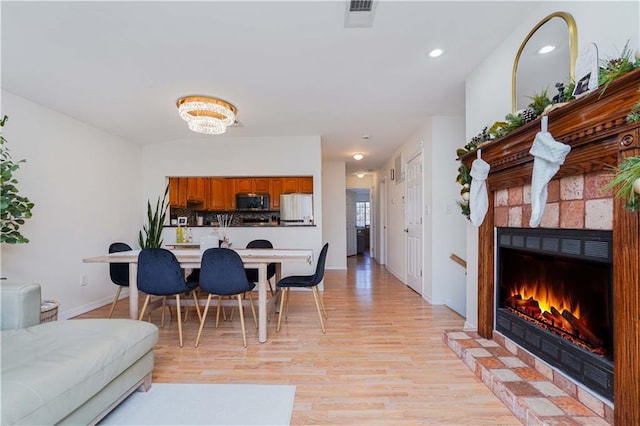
[
  {"x": 151, "y": 234},
  {"x": 15, "y": 207}
]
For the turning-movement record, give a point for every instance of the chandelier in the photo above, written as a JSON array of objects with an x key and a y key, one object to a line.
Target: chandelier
[{"x": 207, "y": 115}]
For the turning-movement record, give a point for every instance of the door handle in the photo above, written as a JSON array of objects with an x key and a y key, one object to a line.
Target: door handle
[{"x": 406, "y": 230}]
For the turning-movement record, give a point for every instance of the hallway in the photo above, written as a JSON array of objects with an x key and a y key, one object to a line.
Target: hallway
[{"x": 382, "y": 360}]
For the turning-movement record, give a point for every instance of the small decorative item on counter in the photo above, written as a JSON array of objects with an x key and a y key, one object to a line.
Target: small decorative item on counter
[
  {"x": 224, "y": 222},
  {"x": 179, "y": 234}
]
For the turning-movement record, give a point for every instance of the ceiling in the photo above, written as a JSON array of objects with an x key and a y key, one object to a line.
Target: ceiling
[{"x": 291, "y": 68}]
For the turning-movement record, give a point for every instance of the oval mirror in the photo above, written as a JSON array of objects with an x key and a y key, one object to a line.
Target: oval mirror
[{"x": 534, "y": 70}]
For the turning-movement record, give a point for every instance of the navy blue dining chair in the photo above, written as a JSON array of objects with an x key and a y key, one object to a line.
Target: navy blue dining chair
[
  {"x": 118, "y": 272},
  {"x": 252, "y": 274},
  {"x": 305, "y": 281},
  {"x": 222, "y": 274},
  {"x": 160, "y": 274}
]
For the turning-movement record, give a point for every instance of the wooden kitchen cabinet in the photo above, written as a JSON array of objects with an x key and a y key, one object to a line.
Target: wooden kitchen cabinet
[
  {"x": 242, "y": 185},
  {"x": 195, "y": 189},
  {"x": 260, "y": 185},
  {"x": 290, "y": 184},
  {"x": 275, "y": 190},
  {"x": 178, "y": 192},
  {"x": 216, "y": 194},
  {"x": 251, "y": 185},
  {"x": 306, "y": 184}
]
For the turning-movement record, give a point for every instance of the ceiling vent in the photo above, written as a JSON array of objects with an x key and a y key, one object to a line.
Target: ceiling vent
[{"x": 359, "y": 13}]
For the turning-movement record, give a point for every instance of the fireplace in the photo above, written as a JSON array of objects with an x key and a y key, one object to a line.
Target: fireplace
[{"x": 554, "y": 298}]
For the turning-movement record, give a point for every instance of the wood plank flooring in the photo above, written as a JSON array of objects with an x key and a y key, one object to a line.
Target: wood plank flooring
[{"x": 382, "y": 361}]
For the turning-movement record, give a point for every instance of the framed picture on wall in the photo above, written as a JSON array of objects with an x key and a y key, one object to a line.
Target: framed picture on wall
[{"x": 399, "y": 174}]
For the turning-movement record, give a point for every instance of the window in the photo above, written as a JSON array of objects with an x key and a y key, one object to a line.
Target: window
[{"x": 363, "y": 214}]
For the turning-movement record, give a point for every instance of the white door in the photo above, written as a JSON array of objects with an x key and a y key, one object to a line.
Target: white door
[
  {"x": 352, "y": 238},
  {"x": 383, "y": 221},
  {"x": 413, "y": 182}
]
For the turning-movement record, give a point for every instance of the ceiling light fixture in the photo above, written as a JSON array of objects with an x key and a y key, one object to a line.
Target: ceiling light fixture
[
  {"x": 436, "y": 52},
  {"x": 546, "y": 49},
  {"x": 207, "y": 115},
  {"x": 358, "y": 156},
  {"x": 360, "y": 175}
]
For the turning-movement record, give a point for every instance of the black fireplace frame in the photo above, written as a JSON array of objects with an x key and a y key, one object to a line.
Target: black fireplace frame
[{"x": 592, "y": 370}]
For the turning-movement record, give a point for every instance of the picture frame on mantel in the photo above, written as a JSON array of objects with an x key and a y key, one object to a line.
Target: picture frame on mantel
[{"x": 586, "y": 71}]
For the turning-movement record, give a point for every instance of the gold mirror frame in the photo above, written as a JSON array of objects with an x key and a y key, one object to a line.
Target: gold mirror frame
[{"x": 573, "y": 50}]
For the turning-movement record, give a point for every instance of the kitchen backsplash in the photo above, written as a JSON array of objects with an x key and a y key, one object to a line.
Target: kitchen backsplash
[{"x": 211, "y": 218}]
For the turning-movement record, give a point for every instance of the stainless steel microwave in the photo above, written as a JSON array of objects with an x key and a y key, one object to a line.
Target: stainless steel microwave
[{"x": 252, "y": 202}]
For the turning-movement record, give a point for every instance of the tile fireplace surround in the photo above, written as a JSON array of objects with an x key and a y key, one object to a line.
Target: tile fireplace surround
[{"x": 595, "y": 128}]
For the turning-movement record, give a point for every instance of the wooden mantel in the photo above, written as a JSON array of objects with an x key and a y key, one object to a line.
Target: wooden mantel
[{"x": 595, "y": 128}]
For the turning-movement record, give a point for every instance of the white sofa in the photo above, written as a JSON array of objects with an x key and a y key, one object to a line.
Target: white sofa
[{"x": 67, "y": 372}]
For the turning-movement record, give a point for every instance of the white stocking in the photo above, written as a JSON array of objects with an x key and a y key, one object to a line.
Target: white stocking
[
  {"x": 478, "y": 198},
  {"x": 549, "y": 155}
]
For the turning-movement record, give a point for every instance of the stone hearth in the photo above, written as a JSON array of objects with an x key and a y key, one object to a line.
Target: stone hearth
[{"x": 534, "y": 392}]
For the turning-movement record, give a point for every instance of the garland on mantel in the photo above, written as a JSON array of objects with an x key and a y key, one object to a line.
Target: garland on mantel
[{"x": 610, "y": 70}]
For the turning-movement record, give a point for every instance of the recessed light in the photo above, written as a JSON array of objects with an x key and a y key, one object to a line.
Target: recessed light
[
  {"x": 436, "y": 52},
  {"x": 358, "y": 156},
  {"x": 546, "y": 49}
]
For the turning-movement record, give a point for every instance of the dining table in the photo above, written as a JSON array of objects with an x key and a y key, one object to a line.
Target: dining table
[{"x": 257, "y": 258}]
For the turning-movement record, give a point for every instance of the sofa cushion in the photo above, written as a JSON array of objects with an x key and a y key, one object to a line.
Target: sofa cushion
[{"x": 50, "y": 369}]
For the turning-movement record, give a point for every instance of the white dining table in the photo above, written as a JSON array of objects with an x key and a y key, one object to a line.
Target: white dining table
[{"x": 257, "y": 258}]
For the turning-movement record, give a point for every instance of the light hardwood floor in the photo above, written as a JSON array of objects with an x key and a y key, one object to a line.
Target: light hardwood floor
[{"x": 382, "y": 360}]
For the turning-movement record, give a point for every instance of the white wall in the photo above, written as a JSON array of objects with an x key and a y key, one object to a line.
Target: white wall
[
  {"x": 488, "y": 89},
  {"x": 334, "y": 213},
  {"x": 444, "y": 229},
  {"x": 449, "y": 226},
  {"x": 354, "y": 182},
  {"x": 224, "y": 156},
  {"x": 86, "y": 188}
]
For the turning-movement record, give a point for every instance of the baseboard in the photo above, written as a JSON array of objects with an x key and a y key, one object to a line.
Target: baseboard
[
  {"x": 71, "y": 313},
  {"x": 392, "y": 272}
]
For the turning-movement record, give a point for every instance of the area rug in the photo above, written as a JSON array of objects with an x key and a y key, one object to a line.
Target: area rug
[{"x": 206, "y": 404}]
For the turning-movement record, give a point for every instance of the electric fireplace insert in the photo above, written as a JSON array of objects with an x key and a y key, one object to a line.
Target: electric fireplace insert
[{"x": 554, "y": 298}]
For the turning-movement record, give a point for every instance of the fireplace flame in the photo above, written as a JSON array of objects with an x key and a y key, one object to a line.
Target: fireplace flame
[{"x": 546, "y": 297}]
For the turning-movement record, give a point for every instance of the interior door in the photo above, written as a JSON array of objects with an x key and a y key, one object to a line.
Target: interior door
[
  {"x": 352, "y": 238},
  {"x": 413, "y": 179},
  {"x": 383, "y": 221}
]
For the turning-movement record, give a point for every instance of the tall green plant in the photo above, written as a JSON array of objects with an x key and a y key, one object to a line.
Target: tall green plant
[
  {"x": 15, "y": 208},
  {"x": 151, "y": 234}
]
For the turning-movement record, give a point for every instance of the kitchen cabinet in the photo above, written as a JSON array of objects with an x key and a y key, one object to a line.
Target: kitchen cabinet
[
  {"x": 178, "y": 192},
  {"x": 219, "y": 193},
  {"x": 275, "y": 189},
  {"x": 249, "y": 185},
  {"x": 290, "y": 184},
  {"x": 242, "y": 185},
  {"x": 216, "y": 194},
  {"x": 260, "y": 185},
  {"x": 306, "y": 184},
  {"x": 195, "y": 189}
]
